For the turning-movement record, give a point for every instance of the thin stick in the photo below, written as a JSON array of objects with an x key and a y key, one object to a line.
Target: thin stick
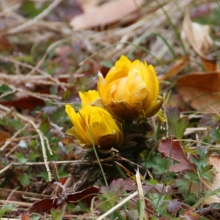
[
  {"x": 41, "y": 136},
  {"x": 75, "y": 162},
  {"x": 8, "y": 141},
  {"x": 51, "y": 47},
  {"x": 36, "y": 19},
  {"x": 16, "y": 62}
]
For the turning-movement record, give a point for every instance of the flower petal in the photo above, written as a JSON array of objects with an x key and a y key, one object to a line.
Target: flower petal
[{"x": 88, "y": 97}]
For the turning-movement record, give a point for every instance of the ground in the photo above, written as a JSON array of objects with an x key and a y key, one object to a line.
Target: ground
[{"x": 161, "y": 166}]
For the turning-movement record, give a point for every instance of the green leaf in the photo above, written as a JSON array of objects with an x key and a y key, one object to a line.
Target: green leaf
[
  {"x": 180, "y": 127},
  {"x": 44, "y": 126},
  {"x": 7, "y": 208},
  {"x": 183, "y": 186},
  {"x": 215, "y": 134},
  {"x": 177, "y": 125},
  {"x": 172, "y": 115},
  {"x": 3, "y": 89},
  {"x": 24, "y": 179},
  {"x": 10, "y": 123},
  {"x": 30, "y": 9},
  {"x": 57, "y": 214},
  {"x": 192, "y": 177},
  {"x": 191, "y": 199},
  {"x": 157, "y": 163},
  {"x": 34, "y": 156},
  {"x": 44, "y": 175},
  {"x": 21, "y": 157}
]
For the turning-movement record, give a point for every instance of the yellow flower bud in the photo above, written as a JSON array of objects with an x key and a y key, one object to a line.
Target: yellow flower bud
[
  {"x": 130, "y": 90},
  {"x": 88, "y": 97},
  {"x": 93, "y": 124}
]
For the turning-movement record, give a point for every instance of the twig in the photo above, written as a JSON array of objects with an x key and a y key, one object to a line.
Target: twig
[
  {"x": 6, "y": 168},
  {"x": 26, "y": 204},
  {"x": 12, "y": 150},
  {"x": 26, "y": 193},
  {"x": 36, "y": 19},
  {"x": 16, "y": 62},
  {"x": 7, "y": 142},
  {"x": 51, "y": 47},
  {"x": 41, "y": 136},
  {"x": 75, "y": 162},
  {"x": 42, "y": 96}
]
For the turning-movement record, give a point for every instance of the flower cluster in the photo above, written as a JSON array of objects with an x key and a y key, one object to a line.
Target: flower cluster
[{"x": 130, "y": 91}]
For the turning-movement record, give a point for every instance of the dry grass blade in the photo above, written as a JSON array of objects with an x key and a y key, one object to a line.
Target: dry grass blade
[
  {"x": 131, "y": 196},
  {"x": 143, "y": 213}
]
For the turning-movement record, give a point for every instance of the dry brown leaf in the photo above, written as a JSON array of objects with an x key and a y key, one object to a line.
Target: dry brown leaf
[
  {"x": 197, "y": 35},
  {"x": 201, "y": 90},
  {"x": 104, "y": 14},
  {"x": 215, "y": 162},
  {"x": 88, "y": 4},
  {"x": 5, "y": 44},
  {"x": 173, "y": 149},
  {"x": 3, "y": 137},
  {"x": 210, "y": 65},
  {"x": 190, "y": 214},
  {"x": 176, "y": 68}
]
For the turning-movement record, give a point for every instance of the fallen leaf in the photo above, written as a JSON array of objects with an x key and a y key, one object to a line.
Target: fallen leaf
[
  {"x": 25, "y": 102},
  {"x": 172, "y": 149},
  {"x": 176, "y": 68},
  {"x": 215, "y": 162},
  {"x": 190, "y": 214},
  {"x": 5, "y": 45},
  {"x": 66, "y": 10},
  {"x": 160, "y": 188},
  {"x": 4, "y": 136},
  {"x": 210, "y": 65},
  {"x": 45, "y": 205},
  {"x": 104, "y": 14},
  {"x": 197, "y": 35},
  {"x": 88, "y": 4},
  {"x": 118, "y": 186},
  {"x": 174, "y": 206},
  {"x": 201, "y": 90}
]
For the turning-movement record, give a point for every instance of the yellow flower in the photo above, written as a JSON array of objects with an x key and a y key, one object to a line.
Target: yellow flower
[
  {"x": 130, "y": 90},
  {"x": 105, "y": 133},
  {"x": 88, "y": 97}
]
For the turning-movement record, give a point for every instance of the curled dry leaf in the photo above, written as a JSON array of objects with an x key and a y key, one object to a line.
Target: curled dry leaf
[
  {"x": 104, "y": 14},
  {"x": 201, "y": 90},
  {"x": 172, "y": 149},
  {"x": 176, "y": 68},
  {"x": 197, "y": 35}
]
